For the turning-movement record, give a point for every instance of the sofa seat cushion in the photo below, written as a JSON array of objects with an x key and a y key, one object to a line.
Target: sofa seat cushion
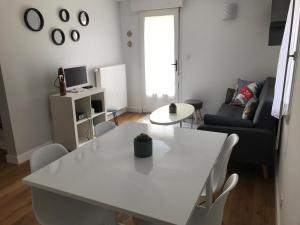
[
  {"x": 226, "y": 121},
  {"x": 228, "y": 115},
  {"x": 232, "y": 111}
]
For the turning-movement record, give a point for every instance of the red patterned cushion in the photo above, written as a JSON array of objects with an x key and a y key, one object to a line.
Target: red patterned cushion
[{"x": 246, "y": 93}]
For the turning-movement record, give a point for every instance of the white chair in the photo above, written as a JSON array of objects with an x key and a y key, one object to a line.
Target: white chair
[
  {"x": 103, "y": 127},
  {"x": 213, "y": 215},
  {"x": 46, "y": 155},
  {"x": 54, "y": 209},
  {"x": 220, "y": 168}
]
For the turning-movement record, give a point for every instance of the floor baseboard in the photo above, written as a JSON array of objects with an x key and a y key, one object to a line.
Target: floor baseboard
[
  {"x": 119, "y": 113},
  {"x": 134, "y": 109},
  {"x": 19, "y": 159}
]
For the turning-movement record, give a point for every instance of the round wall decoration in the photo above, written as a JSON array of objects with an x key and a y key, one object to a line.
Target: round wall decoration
[
  {"x": 64, "y": 15},
  {"x": 34, "y": 19},
  {"x": 75, "y": 35},
  {"x": 83, "y": 18},
  {"x": 58, "y": 37},
  {"x": 129, "y": 33}
]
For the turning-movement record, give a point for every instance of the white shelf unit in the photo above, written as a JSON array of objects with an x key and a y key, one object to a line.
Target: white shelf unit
[{"x": 66, "y": 129}]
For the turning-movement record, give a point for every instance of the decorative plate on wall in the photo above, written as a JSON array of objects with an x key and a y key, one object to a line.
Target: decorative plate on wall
[
  {"x": 64, "y": 15},
  {"x": 75, "y": 35},
  {"x": 34, "y": 19},
  {"x": 58, "y": 36},
  {"x": 83, "y": 18}
]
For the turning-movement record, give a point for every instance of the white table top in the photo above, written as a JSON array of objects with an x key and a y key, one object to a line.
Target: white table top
[
  {"x": 161, "y": 116},
  {"x": 164, "y": 187}
]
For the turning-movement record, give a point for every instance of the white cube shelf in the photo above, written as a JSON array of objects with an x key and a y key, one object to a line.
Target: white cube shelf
[{"x": 69, "y": 131}]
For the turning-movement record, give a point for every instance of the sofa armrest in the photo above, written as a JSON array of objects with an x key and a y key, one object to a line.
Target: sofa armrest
[
  {"x": 229, "y": 95},
  {"x": 254, "y": 146},
  {"x": 218, "y": 120},
  {"x": 237, "y": 130}
]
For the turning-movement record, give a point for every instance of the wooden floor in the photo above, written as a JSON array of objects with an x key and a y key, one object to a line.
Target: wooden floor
[{"x": 251, "y": 203}]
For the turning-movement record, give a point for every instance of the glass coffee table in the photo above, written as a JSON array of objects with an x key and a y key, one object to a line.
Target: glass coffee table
[{"x": 161, "y": 116}]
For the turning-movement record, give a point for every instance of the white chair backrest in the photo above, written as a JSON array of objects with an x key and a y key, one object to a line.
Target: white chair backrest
[
  {"x": 220, "y": 168},
  {"x": 103, "y": 127},
  {"x": 54, "y": 209},
  {"x": 215, "y": 213},
  {"x": 46, "y": 155},
  {"x": 51, "y": 208}
]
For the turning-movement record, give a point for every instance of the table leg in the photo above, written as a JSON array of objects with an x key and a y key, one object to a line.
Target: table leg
[
  {"x": 181, "y": 124},
  {"x": 193, "y": 117},
  {"x": 209, "y": 194},
  {"x": 200, "y": 115}
]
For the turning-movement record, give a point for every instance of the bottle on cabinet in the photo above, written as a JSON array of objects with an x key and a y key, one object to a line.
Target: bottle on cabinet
[{"x": 62, "y": 82}]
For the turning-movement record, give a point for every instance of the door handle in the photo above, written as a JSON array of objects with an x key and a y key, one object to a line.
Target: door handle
[
  {"x": 176, "y": 65},
  {"x": 294, "y": 55}
]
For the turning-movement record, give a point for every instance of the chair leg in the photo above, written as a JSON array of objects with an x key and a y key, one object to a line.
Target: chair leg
[
  {"x": 115, "y": 118},
  {"x": 193, "y": 118},
  {"x": 200, "y": 114},
  {"x": 265, "y": 171}
]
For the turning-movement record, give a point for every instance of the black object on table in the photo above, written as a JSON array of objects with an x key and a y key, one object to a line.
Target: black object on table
[
  {"x": 172, "y": 108},
  {"x": 143, "y": 146}
]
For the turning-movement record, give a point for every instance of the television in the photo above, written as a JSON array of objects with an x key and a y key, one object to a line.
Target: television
[{"x": 76, "y": 77}]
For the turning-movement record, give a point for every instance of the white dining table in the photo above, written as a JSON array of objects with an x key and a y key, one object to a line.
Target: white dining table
[{"x": 161, "y": 188}]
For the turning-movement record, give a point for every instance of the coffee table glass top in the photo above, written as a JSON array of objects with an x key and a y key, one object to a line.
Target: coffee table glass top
[{"x": 161, "y": 116}]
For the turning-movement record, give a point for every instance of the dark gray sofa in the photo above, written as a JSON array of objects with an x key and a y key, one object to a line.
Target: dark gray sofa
[{"x": 257, "y": 137}]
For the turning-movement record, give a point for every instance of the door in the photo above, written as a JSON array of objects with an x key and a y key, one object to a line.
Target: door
[{"x": 160, "y": 44}]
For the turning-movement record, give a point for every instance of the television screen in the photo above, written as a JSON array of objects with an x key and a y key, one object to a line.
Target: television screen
[{"x": 76, "y": 76}]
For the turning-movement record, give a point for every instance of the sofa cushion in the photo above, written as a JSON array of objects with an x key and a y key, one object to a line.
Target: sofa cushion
[
  {"x": 226, "y": 121},
  {"x": 230, "y": 111},
  {"x": 238, "y": 86},
  {"x": 250, "y": 109},
  {"x": 246, "y": 93},
  {"x": 229, "y": 95}
]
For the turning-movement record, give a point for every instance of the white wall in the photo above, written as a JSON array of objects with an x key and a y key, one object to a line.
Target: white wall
[
  {"x": 138, "y": 5},
  {"x": 131, "y": 56},
  {"x": 289, "y": 166},
  {"x": 6, "y": 135},
  {"x": 30, "y": 60},
  {"x": 215, "y": 52}
]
